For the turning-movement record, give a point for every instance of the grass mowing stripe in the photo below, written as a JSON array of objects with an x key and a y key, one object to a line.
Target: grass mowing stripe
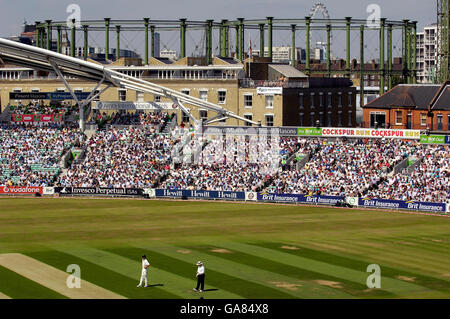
[
  {"x": 426, "y": 255},
  {"x": 17, "y": 287},
  {"x": 241, "y": 287},
  {"x": 415, "y": 267},
  {"x": 255, "y": 273},
  {"x": 391, "y": 285},
  {"x": 175, "y": 285},
  {"x": 441, "y": 247},
  {"x": 416, "y": 247},
  {"x": 310, "y": 279},
  {"x": 337, "y": 259},
  {"x": 398, "y": 257},
  {"x": 98, "y": 275}
]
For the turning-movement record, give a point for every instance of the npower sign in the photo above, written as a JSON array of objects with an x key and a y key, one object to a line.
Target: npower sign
[{"x": 19, "y": 190}]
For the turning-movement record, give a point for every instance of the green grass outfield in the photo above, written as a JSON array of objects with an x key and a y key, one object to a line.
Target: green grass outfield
[{"x": 249, "y": 250}]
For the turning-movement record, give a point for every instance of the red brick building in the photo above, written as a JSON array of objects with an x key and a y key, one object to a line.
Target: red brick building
[{"x": 409, "y": 106}]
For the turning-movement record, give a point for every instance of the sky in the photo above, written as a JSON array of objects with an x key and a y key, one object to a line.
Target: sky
[{"x": 13, "y": 13}]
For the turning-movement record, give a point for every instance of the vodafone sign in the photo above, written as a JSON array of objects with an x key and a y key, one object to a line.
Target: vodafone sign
[{"x": 19, "y": 190}]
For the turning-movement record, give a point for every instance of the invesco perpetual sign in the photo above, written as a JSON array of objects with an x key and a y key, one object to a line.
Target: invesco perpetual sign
[{"x": 99, "y": 191}]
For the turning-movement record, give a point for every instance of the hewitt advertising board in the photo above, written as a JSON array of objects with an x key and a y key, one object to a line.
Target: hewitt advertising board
[{"x": 179, "y": 193}]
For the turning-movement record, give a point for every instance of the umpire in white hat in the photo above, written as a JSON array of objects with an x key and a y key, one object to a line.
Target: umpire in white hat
[{"x": 200, "y": 277}]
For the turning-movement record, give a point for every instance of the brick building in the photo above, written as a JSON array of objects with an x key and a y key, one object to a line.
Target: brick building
[{"x": 409, "y": 106}]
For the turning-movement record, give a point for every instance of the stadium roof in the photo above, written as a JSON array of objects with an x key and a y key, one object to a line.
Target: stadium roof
[{"x": 45, "y": 60}]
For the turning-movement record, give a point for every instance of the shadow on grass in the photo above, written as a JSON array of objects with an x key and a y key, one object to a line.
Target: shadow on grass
[{"x": 155, "y": 285}]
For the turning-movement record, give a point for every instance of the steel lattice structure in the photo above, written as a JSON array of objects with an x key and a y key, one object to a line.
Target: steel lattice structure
[
  {"x": 266, "y": 28},
  {"x": 443, "y": 22}
]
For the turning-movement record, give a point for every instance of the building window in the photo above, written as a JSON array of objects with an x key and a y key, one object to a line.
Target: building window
[
  {"x": 248, "y": 100},
  {"x": 340, "y": 99},
  {"x": 185, "y": 92},
  {"x": 60, "y": 90},
  {"x": 184, "y": 117},
  {"x": 269, "y": 120},
  {"x": 377, "y": 119},
  {"x": 398, "y": 118},
  {"x": 97, "y": 95},
  {"x": 157, "y": 98},
  {"x": 204, "y": 95},
  {"x": 203, "y": 114},
  {"x": 340, "y": 118},
  {"x": 248, "y": 117},
  {"x": 329, "y": 99},
  {"x": 312, "y": 118},
  {"x": 269, "y": 101},
  {"x": 439, "y": 122},
  {"x": 301, "y": 119},
  {"x": 322, "y": 119},
  {"x": 329, "y": 119},
  {"x": 222, "y": 95},
  {"x": 140, "y": 96},
  {"x": 350, "y": 117},
  {"x": 321, "y": 99},
  {"x": 301, "y": 100},
  {"x": 312, "y": 99},
  {"x": 350, "y": 98},
  {"x": 122, "y": 95},
  {"x": 423, "y": 119},
  {"x": 448, "y": 122},
  {"x": 35, "y": 90}
]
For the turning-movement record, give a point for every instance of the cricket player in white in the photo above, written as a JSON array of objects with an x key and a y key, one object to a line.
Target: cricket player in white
[
  {"x": 200, "y": 277},
  {"x": 144, "y": 274}
]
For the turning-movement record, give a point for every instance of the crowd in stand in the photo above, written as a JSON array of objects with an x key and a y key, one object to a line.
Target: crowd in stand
[
  {"x": 429, "y": 181},
  {"x": 155, "y": 119},
  {"x": 121, "y": 158},
  {"x": 30, "y": 155},
  {"x": 141, "y": 157},
  {"x": 345, "y": 167},
  {"x": 63, "y": 108},
  {"x": 234, "y": 163}
]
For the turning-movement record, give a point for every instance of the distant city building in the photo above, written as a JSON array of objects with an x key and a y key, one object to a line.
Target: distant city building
[
  {"x": 170, "y": 54},
  {"x": 426, "y": 48},
  {"x": 280, "y": 54},
  {"x": 157, "y": 46},
  {"x": 27, "y": 36}
]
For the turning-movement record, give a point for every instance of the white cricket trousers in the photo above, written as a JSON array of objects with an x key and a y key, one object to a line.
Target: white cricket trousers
[{"x": 144, "y": 277}]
